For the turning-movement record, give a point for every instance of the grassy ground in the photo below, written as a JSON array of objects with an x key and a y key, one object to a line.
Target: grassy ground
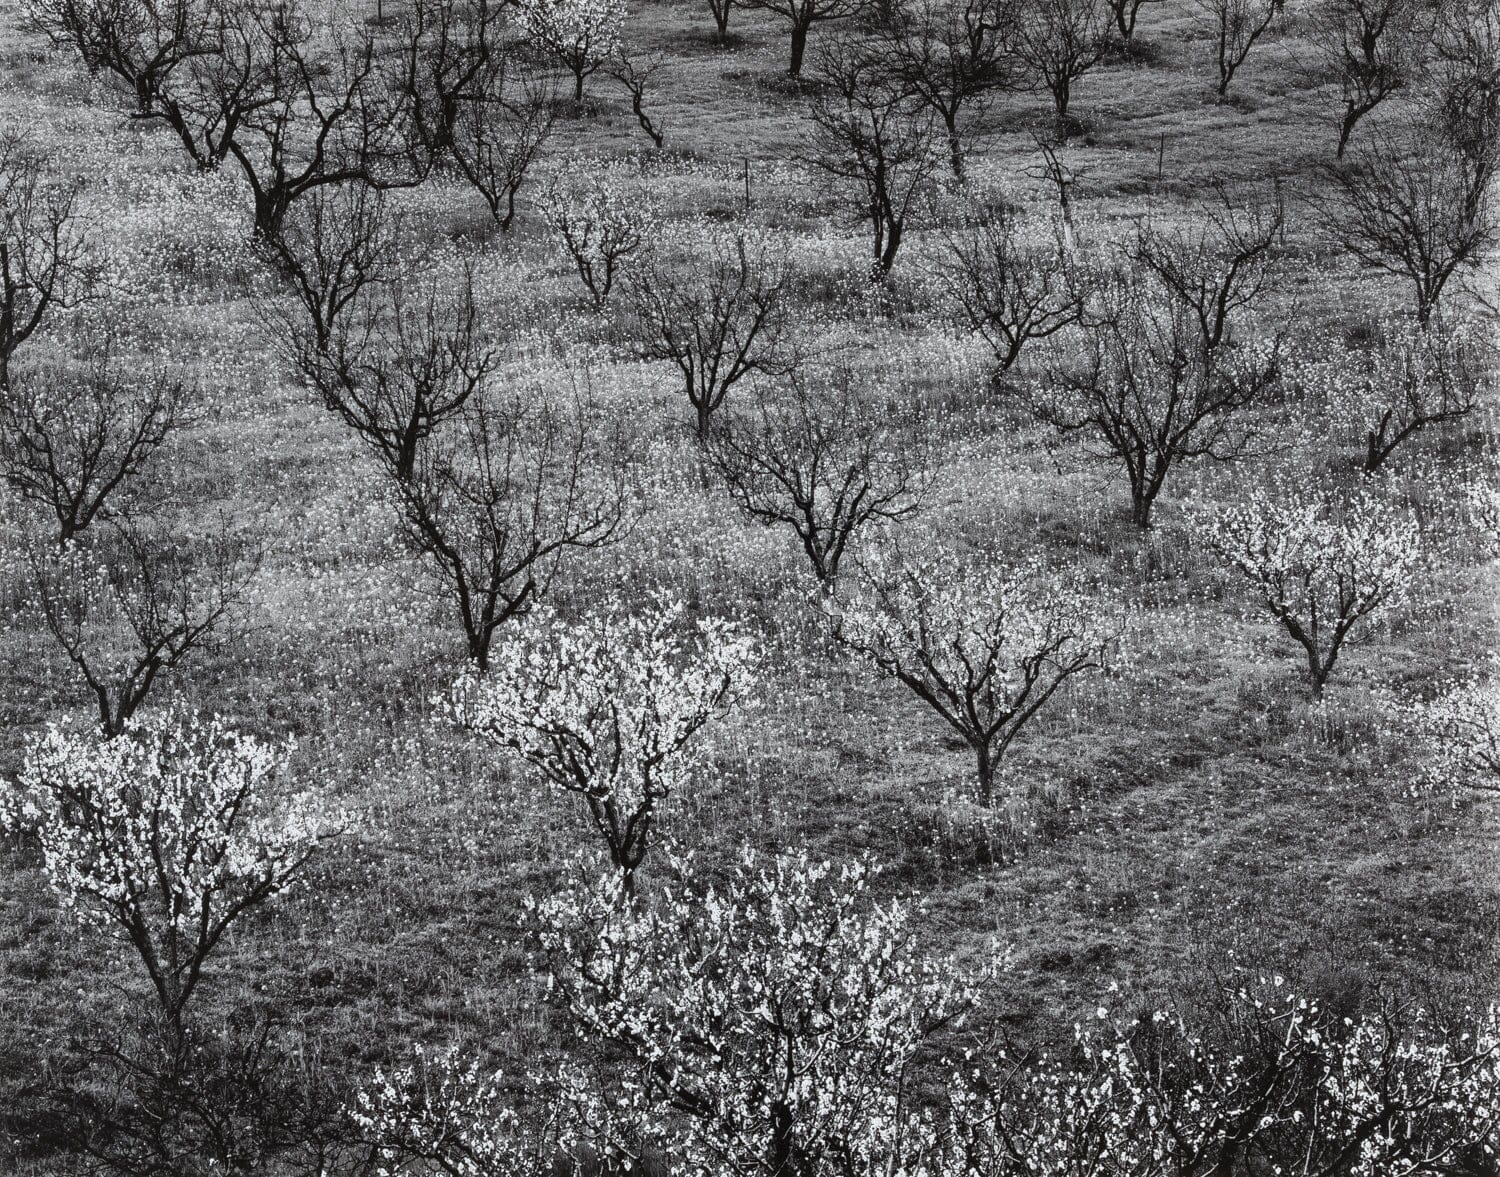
[{"x": 1189, "y": 812}]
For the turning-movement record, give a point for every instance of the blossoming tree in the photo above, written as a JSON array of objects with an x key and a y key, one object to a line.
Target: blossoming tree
[
  {"x": 610, "y": 709},
  {"x": 771, "y": 1018},
  {"x": 581, "y": 34},
  {"x": 166, "y": 835},
  {"x": 1327, "y": 573},
  {"x": 1279, "y": 1079},
  {"x": 1461, "y": 733}
]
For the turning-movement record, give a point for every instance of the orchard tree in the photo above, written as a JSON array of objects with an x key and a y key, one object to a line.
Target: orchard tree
[
  {"x": 1059, "y": 41},
  {"x": 724, "y": 316},
  {"x": 1460, "y": 731},
  {"x": 129, "y": 599},
  {"x": 1327, "y": 572},
  {"x": 611, "y": 709},
  {"x": 954, "y": 55},
  {"x": 814, "y": 457},
  {"x": 401, "y": 360},
  {"x": 1161, "y": 374},
  {"x": 720, "y": 10},
  {"x": 873, "y": 136},
  {"x": 1371, "y": 48},
  {"x": 1422, "y": 211},
  {"x": 986, "y": 647},
  {"x": 802, "y": 15},
  {"x": 335, "y": 243},
  {"x": 1147, "y": 393},
  {"x": 77, "y": 433},
  {"x": 502, "y": 493},
  {"x": 447, "y": 1111},
  {"x": 1009, "y": 281},
  {"x": 1415, "y": 377},
  {"x": 294, "y": 100},
  {"x": 444, "y": 54},
  {"x": 600, "y": 226},
  {"x": 44, "y": 263},
  {"x": 1465, "y": 74},
  {"x": 772, "y": 1019},
  {"x": 1274, "y": 1075},
  {"x": 499, "y": 136},
  {"x": 639, "y": 77},
  {"x": 1237, "y": 26},
  {"x": 165, "y": 834},
  {"x": 473, "y": 102},
  {"x": 1220, "y": 267},
  {"x": 1127, "y": 13},
  {"x": 581, "y": 34}
]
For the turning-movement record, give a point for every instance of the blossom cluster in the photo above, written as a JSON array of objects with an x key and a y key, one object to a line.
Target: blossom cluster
[{"x": 167, "y": 829}]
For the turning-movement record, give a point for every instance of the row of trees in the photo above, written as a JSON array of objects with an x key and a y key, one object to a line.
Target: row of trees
[
  {"x": 493, "y": 490},
  {"x": 772, "y": 1018}
]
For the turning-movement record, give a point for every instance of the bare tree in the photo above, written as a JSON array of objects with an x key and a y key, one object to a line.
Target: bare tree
[
  {"x": 296, "y": 102},
  {"x": 1126, "y": 13},
  {"x": 1159, "y": 380},
  {"x": 813, "y": 457},
  {"x": 473, "y": 101},
  {"x": 1466, "y": 76},
  {"x": 1221, "y": 268},
  {"x": 1008, "y": 281},
  {"x": 1237, "y": 25},
  {"x": 986, "y": 648},
  {"x": 402, "y": 361},
  {"x": 724, "y": 316},
  {"x": 501, "y": 494},
  {"x": 1060, "y": 41},
  {"x": 600, "y": 227},
  {"x": 133, "y": 598},
  {"x": 802, "y": 15},
  {"x": 1415, "y": 377},
  {"x": 953, "y": 54},
  {"x": 337, "y": 242},
  {"x": 498, "y": 138},
  {"x": 446, "y": 55},
  {"x": 43, "y": 258},
  {"x": 636, "y": 76},
  {"x": 873, "y": 135},
  {"x": 73, "y": 435},
  {"x": 1421, "y": 211},
  {"x": 1371, "y": 47},
  {"x": 720, "y": 10}
]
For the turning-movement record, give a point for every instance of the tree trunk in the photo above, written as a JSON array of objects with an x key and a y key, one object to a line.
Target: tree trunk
[
  {"x": 955, "y": 145},
  {"x": 1140, "y": 510},
  {"x": 799, "y": 48},
  {"x": 986, "y": 776}
]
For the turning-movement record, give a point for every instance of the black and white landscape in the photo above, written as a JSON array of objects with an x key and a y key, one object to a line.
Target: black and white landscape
[{"x": 749, "y": 588}]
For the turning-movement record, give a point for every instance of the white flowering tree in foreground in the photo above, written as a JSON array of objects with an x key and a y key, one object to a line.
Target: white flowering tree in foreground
[
  {"x": 1327, "y": 572},
  {"x": 165, "y": 835},
  {"x": 581, "y": 34},
  {"x": 448, "y": 1111},
  {"x": 609, "y": 709},
  {"x": 771, "y": 1018},
  {"x": 1281, "y": 1085},
  {"x": 986, "y": 647}
]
